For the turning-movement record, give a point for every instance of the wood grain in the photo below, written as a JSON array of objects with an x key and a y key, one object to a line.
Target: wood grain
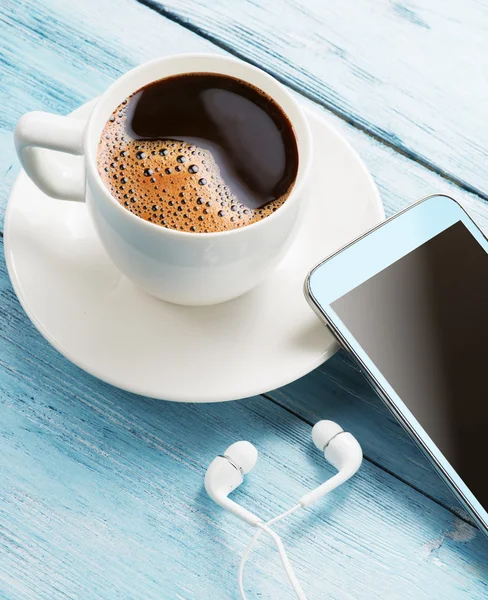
[
  {"x": 102, "y": 497},
  {"x": 411, "y": 73},
  {"x": 337, "y": 390},
  {"x": 101, "y": 490},
  {"x": 60, "y": 41}
]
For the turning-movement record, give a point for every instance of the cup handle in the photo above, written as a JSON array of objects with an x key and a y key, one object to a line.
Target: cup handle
[{"x": 38, "y": 133}]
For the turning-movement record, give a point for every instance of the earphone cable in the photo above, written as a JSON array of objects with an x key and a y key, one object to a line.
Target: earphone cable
[
  {"x": 286, "y": 563},
  {"x": 281, "y": 551}
]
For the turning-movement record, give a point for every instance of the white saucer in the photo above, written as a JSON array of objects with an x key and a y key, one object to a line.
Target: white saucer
[{"x": 100, "y": 321}]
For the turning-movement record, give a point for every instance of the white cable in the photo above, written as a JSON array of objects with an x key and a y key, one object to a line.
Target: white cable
[
  {"x": 254, "y": 539},
  {"x": 281, "y": 550},
  {"x": 297, "y": 588},
  {"x": 284, "y": 515}
]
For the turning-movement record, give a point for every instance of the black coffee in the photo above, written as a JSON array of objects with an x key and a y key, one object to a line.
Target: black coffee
[{"x": 199, "y": 152}]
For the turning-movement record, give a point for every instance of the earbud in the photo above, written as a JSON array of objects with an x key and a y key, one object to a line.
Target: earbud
[
  {"x": 244, "y": 455},
  {"x": 226, "y": 472},
  {"x": 341, "y": 450},
  {"x": 323, "y": 432}
]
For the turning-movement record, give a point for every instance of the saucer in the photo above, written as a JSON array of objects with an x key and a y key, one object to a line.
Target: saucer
[{"x": 103, "y": 323}]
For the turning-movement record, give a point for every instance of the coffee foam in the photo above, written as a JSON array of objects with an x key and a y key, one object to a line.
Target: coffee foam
[{"x": 171, "y": 183}]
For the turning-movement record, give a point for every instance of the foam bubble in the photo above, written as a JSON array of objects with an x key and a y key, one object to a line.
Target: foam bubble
[{"x": 171, "y": 183}]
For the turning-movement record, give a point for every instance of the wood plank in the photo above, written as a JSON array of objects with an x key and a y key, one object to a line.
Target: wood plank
[
  {"x": 102, "y": 498},
  {"x": 337, "y": 390},
  {"x": 108, "y": 485},
  {"x": 55, "y": 56},
  {"x": 409, "y": 72},
  {"x": 50, "y": 39}
]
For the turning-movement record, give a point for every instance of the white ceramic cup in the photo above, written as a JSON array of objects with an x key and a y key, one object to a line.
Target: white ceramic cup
[{"x": 180, "y": 267}]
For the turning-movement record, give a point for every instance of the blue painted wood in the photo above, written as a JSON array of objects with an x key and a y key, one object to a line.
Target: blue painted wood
[
  {"x": 411, "y": 73},
  {"x": 400, "y": 180},
  {"x": 337, "y": 389},
  {"x": 102, "y": 497},
  {"x": 101, "y": 490}
]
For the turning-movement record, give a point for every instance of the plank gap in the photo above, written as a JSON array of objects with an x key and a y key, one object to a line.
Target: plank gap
[
  {"x": 378, "y": 465},
  {"x": 351, "y": 120}
]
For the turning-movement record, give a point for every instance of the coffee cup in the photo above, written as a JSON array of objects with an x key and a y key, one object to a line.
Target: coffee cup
[{"x": 176, "y": 266}]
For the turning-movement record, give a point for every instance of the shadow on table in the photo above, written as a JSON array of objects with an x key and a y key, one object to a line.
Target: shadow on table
[{"x": 164, "y": 448}]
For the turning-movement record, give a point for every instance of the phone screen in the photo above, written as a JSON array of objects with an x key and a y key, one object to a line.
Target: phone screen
[{"x": 423, "y": 321}]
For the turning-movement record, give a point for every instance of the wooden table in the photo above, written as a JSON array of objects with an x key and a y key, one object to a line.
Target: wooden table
[{"x": 101, "y": 490}]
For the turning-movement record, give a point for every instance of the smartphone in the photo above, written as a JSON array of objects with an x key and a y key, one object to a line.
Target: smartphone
[{"x": 409, "y": 301}]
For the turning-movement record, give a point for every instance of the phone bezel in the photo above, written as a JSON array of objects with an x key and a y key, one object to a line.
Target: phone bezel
[{"x": 361, "y": 259}]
